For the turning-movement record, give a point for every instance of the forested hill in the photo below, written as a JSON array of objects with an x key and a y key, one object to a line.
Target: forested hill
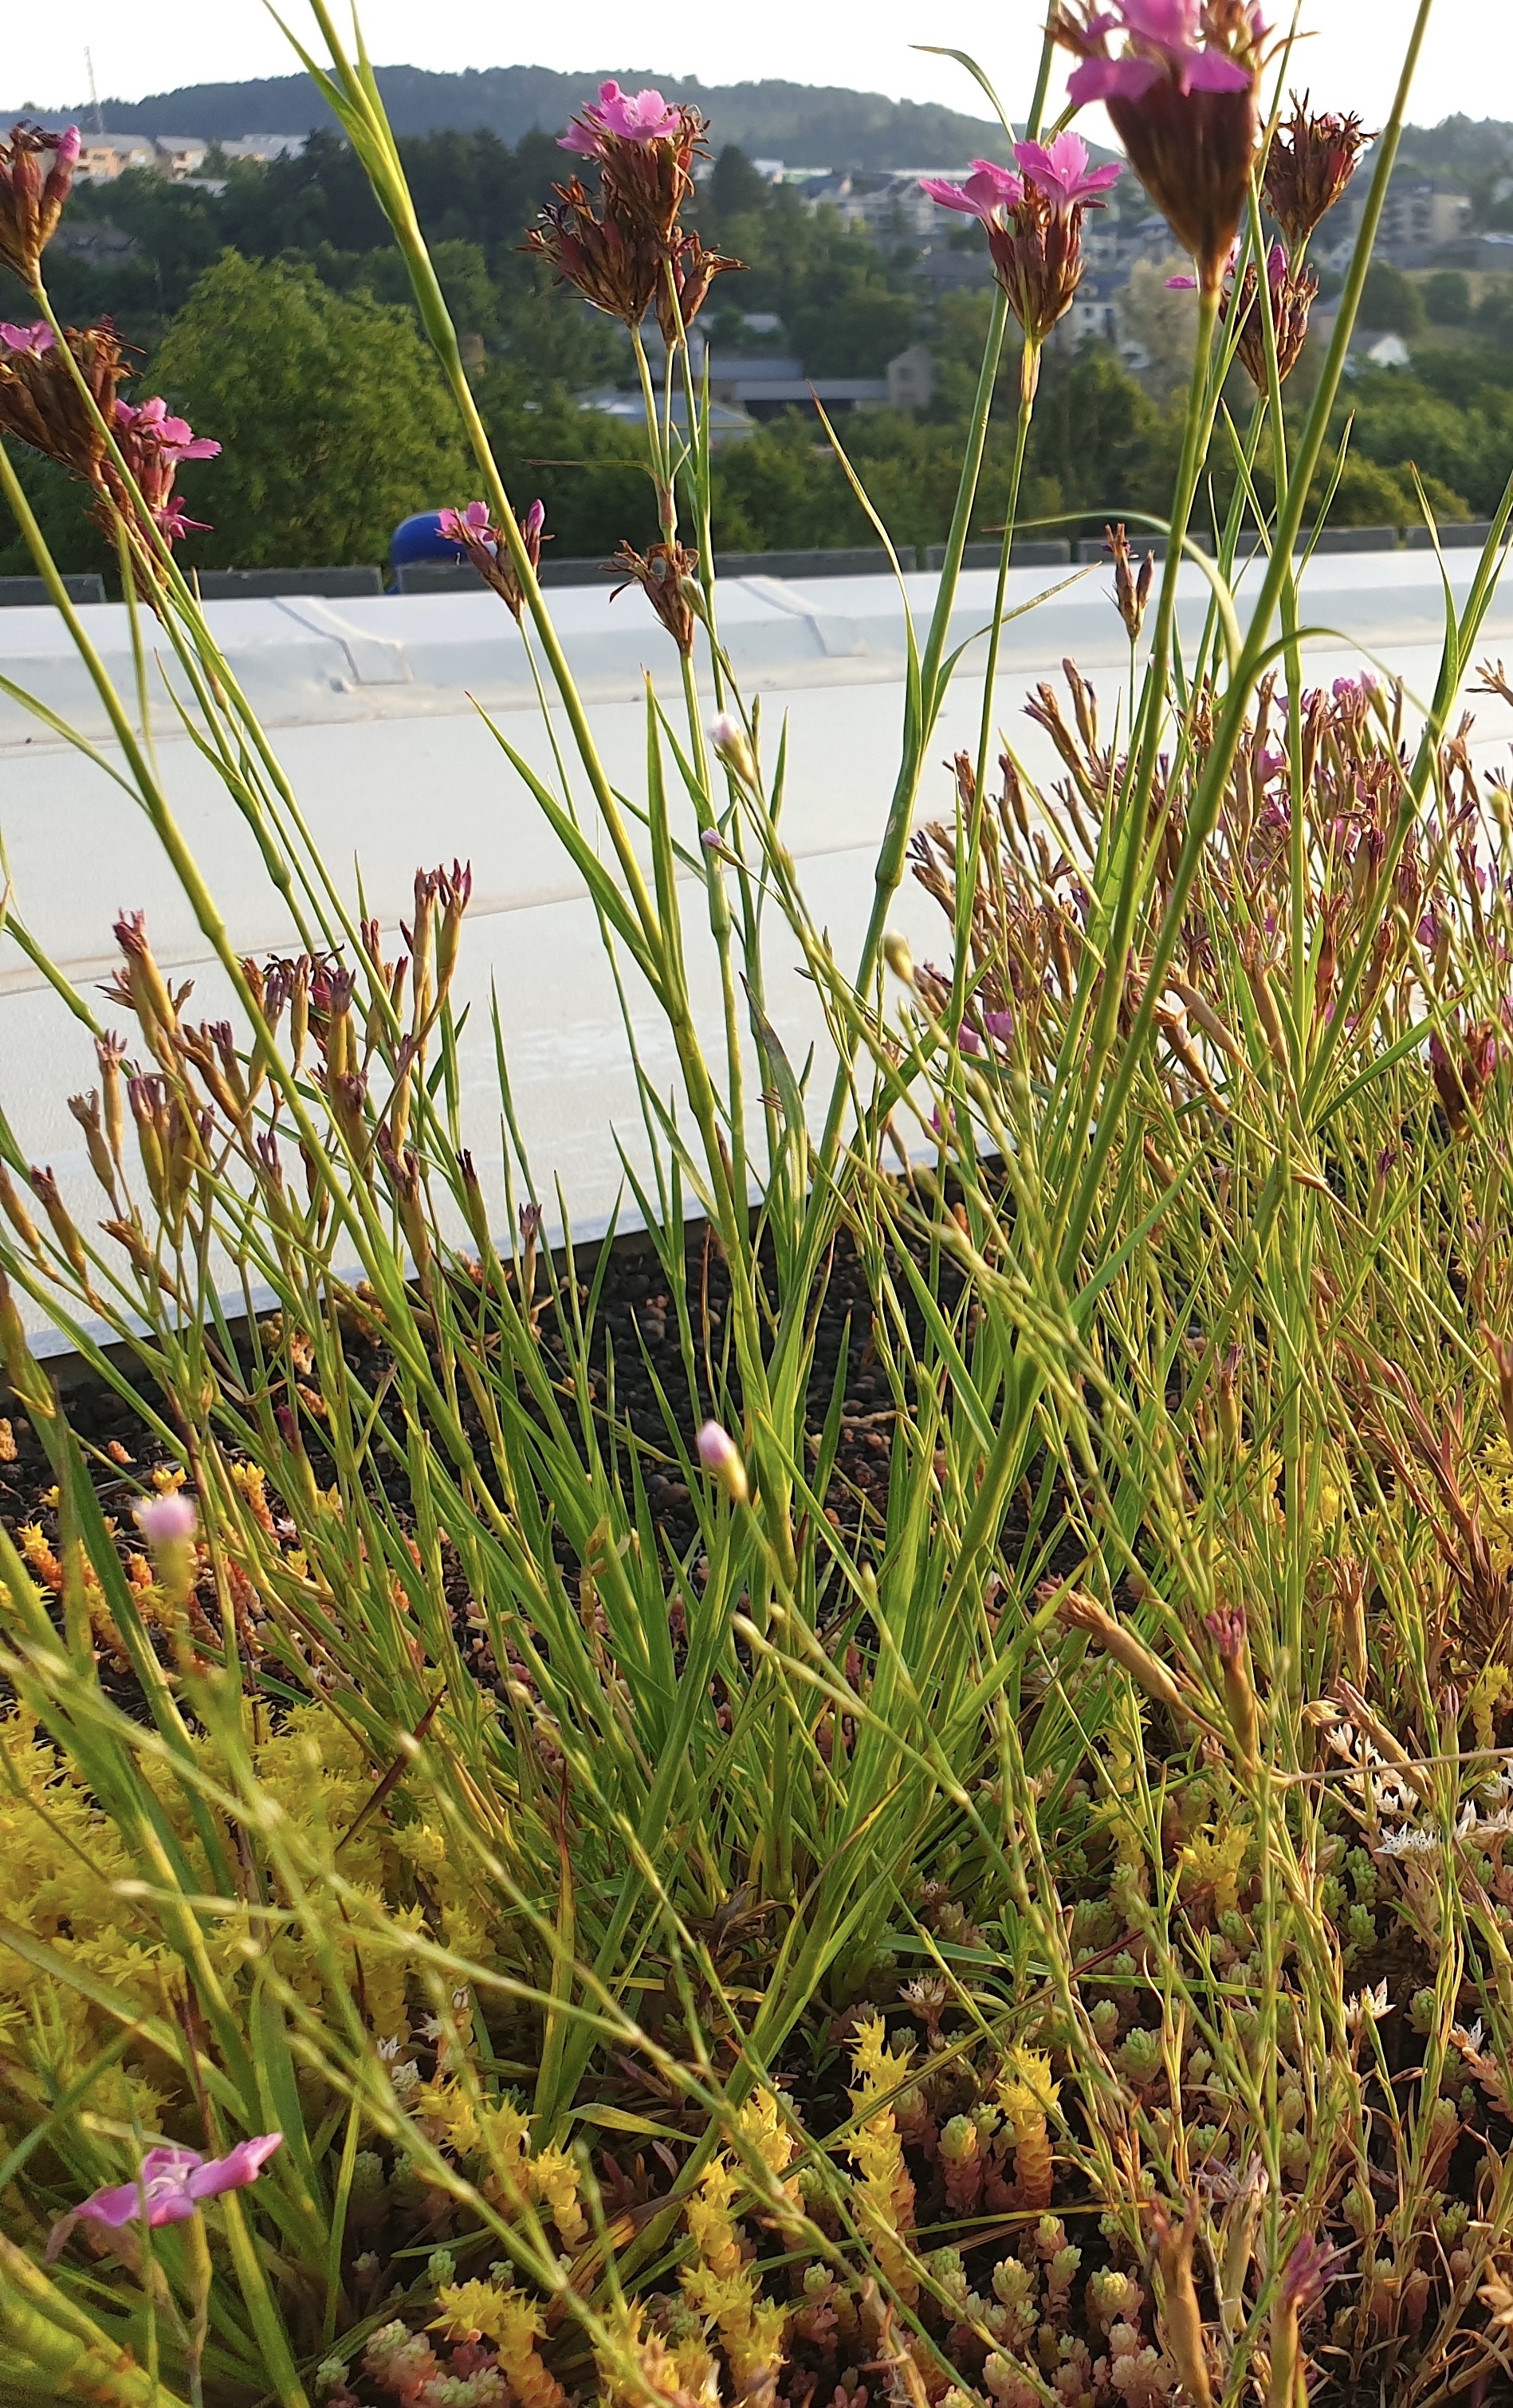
[{"x": 809, "y": 126}]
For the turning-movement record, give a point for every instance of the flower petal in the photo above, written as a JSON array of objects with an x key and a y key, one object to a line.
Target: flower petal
[
  {"x": 163, "y": 2185},
  {"x": 949, "y": 196},
  {"x": 1110, "y": 79},
  {"x": 236, "y": 2169},
  {"x": 1211, "y": 71}
]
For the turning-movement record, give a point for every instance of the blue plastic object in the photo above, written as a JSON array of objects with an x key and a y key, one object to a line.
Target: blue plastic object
[{"x": 420, "y": 538}]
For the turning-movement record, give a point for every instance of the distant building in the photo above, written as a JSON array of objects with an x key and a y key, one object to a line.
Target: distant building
[
  {"x": 727, "y": 424},
  {"x": 263, "y": 147},
  {"x": 729, "y": 372},
  {"x": 944, "y": 269},
  {"x": 1421, "y": 216},
  {"x": 911, "y": 380},
  {"x": 95, "y": 242},
  {"x": 745, "y": 388},
  {"x": 103, "y": 157},
  {"x": 1369, "y": 346},
  {"x": 771, "y": 396},
  {"x": 1112, "y": 245},
  {"x": 1419, "y": 223},
  {"x": 883, "y": 202},
  {"x": 1094, "y": 314},
  {"x": 179, "y": 157}
]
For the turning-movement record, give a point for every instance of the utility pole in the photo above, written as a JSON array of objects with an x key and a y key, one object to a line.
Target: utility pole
[{"x": 94, "y": 97}]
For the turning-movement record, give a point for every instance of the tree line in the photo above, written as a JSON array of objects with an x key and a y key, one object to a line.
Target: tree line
[{"x": 276, "y": 315}]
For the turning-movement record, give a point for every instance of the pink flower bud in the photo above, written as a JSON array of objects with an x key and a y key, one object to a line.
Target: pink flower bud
[
  {"x": 720, "y": 1455},
  {"x": 728, "y": 739},
  {"x": 166, "y": 1521}
]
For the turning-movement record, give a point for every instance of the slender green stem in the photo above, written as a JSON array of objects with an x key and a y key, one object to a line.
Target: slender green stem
[
  {"x": 931, "y": 695},
  {"x": 970, "y": 856},
  {"x": 1028, "y": 376},
  {"x": 1129, "y": 852},
  {"x": 657, "y": 435}
]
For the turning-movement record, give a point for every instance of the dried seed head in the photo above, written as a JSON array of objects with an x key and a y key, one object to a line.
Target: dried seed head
[
  {"x": 1502, "y": 1354},
  {"x": 667, "y": 574},
  {"x": 1310, "y": 161},
  {"x": 37, "y": 176},
  {"x": 1132, "y": 585},
  {"x": 1180, "y": 2313},
  {"x": 691, "y": 271},
  {"x": 1291, "y": 292}
]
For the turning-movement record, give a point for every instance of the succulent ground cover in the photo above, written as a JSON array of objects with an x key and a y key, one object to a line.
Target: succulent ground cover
[{"x": 901, "y": 1794}]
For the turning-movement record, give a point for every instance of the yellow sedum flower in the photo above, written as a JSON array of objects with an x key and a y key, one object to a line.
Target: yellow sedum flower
[
  {"x": 514, "y": 2324},
  {"x": 886, "y": 2194},
  {"x": 553, "y": 2178},
  {"x": 65, "y": 1861},
  {"x": 1214, "y": 1860},
  {"x": 1026, "y": 2095}
]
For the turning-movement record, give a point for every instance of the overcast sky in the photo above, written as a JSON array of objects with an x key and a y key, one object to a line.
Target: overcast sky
[{"x": 1351, "y": 62}]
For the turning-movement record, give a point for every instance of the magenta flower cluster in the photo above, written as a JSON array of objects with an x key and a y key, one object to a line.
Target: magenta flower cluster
[
  {"x": 472, "y": 525},
  {"x": 1181, "y": 96},
  {"x": 154, "y": 445},
  {"x": 1058, "y": 170},
  {"x": 1167, "y": 39},
  {"x": 642, "y": 117},
  {"x": 473, "y": 530},
  {"x": 1033, "y": 223}
]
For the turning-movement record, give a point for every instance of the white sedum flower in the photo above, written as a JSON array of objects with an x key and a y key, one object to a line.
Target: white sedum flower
[{"x": 1367, "y": 2006}]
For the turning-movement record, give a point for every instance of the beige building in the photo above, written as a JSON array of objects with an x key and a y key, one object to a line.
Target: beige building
[
  {"x": 179, "y": 154},
  {"x": 1421, "y": 216},
  {"x": 179, "y": 157},
  {"x": 103, "y": 157},
  {"x": 910, "y": 379}
]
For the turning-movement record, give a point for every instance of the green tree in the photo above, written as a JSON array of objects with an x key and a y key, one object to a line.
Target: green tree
[
  {"x": 735, "y": 188},
  {"x": 332, "y": 413},
  {"x": 1398, "y": 421},
  {"x": 61, "y": 509},
  {"x": 1446, "y": 298},
  {"x": 1101, "y": 437},
  {"x": 847, "y": 308},
  {"x": 1388, "y": 302},
  {"x": 1494, "y": 314},
  {"x": 1369, "y": 494},
  {"x": 467, "y": 289},
  {"x": 853, "y": 330},
  {"x": 588, "y": 470}
]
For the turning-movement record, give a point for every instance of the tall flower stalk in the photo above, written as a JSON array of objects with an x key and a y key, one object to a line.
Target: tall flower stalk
[{"x": 1034, "y": 225}]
